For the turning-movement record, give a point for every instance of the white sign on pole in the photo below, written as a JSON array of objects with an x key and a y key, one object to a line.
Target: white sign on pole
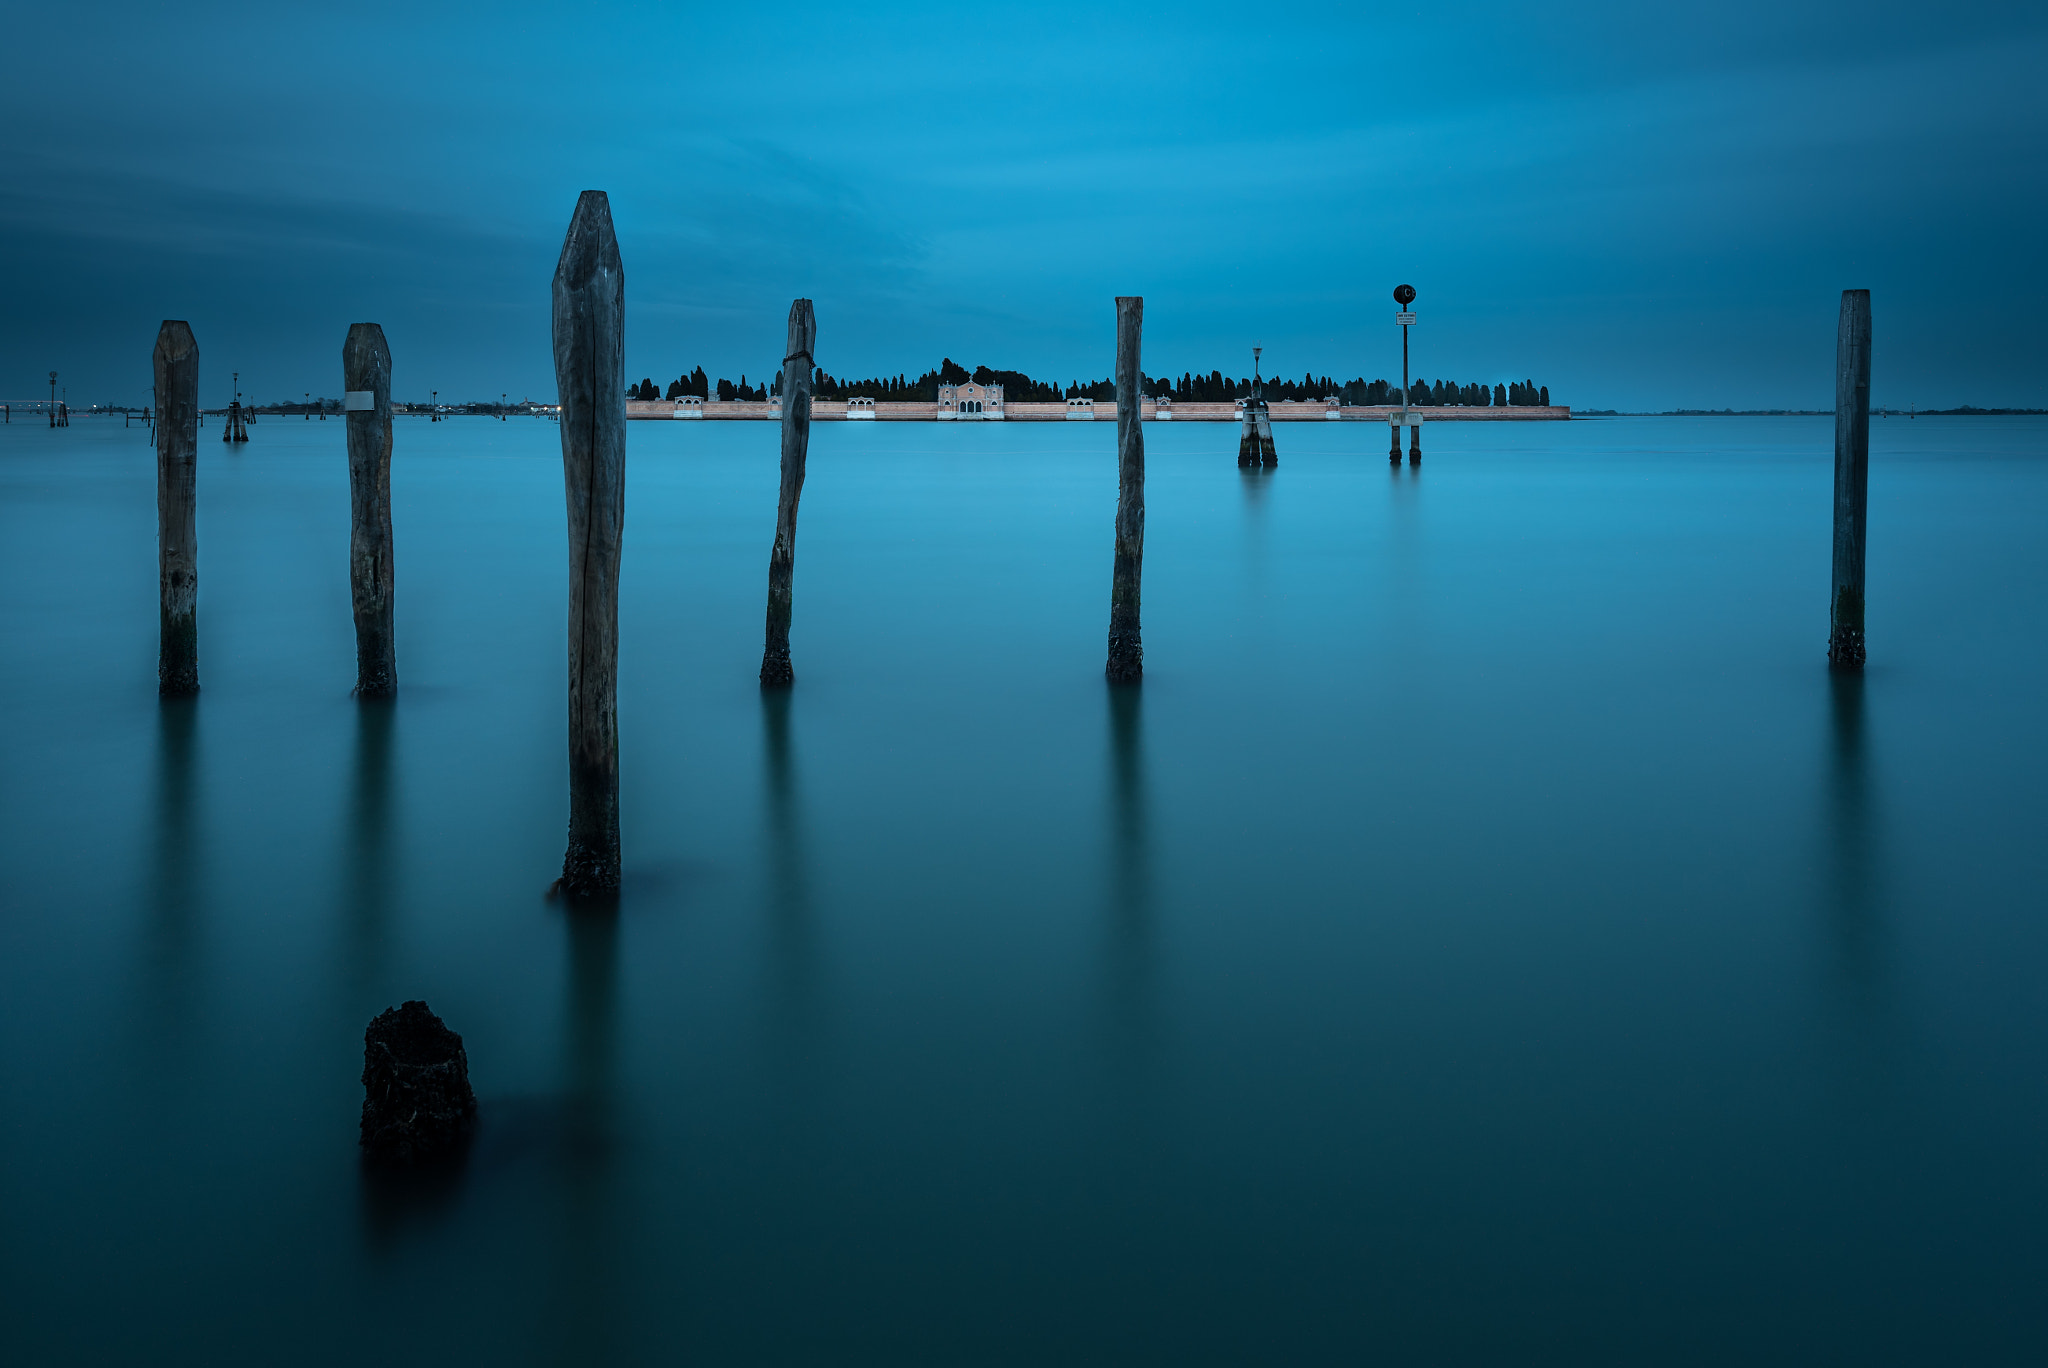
[{"x": 1404, "y": 319}]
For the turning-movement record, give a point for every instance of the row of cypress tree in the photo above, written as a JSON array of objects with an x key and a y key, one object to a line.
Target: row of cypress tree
[{"x": 1211, "y": 388}]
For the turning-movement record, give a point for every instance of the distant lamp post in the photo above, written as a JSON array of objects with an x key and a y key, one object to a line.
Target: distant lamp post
[
  {"x": 1404, "y": 295},
  {"x": 436, "y": 407},
  {"x": 53, "y": 398},
  {"x": 309, "y": 406},
  {"x": 501, "y": 406}
]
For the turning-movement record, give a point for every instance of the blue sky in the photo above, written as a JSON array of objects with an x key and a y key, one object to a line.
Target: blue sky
[{"x": 1639, "y": 206}]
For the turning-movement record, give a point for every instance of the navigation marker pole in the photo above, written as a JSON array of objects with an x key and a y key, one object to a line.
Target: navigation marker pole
[
  {"x": 1404, "y": 295},
  {"x": 237, "y": 425},
  {"x": 1852, "y": 479},
  {"x": 590, "y": 364}
]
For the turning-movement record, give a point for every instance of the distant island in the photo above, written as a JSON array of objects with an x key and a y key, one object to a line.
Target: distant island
[
  {"x": 1215, "y": 387},
  {"x": 1967, "y": 410}
]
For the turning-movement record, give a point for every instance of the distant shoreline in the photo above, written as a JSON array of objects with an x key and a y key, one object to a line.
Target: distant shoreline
[
  {"x": 1034, "y": 411},
  {"x": 1964, "y": 412}
]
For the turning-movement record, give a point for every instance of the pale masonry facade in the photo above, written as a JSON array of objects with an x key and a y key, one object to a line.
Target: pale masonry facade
[{"x": 970, "y": 400}]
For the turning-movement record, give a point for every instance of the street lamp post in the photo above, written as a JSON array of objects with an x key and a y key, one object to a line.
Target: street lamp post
[{"x": 53, "y": 398}]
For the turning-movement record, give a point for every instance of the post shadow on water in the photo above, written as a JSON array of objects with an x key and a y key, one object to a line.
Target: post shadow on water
[
  {"x": 1129, "y": 934},
  {"x": 1852, "y": 898},
  {"x": 368, "y": 883},
  {"x": 1252, "y": 479},
  {"x": 168, "y": 1001},
  {"x": 588, "y": 1235},
  {"x": 792, "y": 937}
]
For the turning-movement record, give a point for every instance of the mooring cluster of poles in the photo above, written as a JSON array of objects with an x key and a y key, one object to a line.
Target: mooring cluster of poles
[
  {"x": 589, "y": 316},
  {"x": 1255, "y": 438}
]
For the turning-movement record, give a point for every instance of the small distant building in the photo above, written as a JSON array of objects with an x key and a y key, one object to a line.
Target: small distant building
[
  {"x": 971, "y": 400},
  {"x": 1082, "y": 410},
  {"x": 689, "y": 406},
  {"x": 858, "y": 408}
]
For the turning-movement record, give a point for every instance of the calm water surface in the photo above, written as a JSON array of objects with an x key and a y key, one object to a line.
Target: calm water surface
[{"x": 1488, "y": 937}]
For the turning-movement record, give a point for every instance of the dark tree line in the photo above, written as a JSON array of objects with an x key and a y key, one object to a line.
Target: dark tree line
[{"x": 1215, "y": 387}]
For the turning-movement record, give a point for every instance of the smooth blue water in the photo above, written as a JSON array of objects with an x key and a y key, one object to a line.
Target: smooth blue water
[{"x": 1489, "y": 936}]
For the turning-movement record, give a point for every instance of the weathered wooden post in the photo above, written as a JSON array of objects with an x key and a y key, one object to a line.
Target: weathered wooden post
[
  {"x": 1126, "y": 648},
  {"x": 776, "y": 671},
  {"x": 1415, "y": 439},
  {"x": 590, "y": 364},
  {"x": 176, "y": 364},
  {"x": 366, "y": 406},
  {"x": 1852, "y": 478}
]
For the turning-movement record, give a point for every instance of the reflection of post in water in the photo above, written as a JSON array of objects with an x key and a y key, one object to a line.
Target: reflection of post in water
[
  {"x": 174, "y": 876},
  {"x": 1130, "y": 933},
  {"x": 1853, "y": 893},
  {"x": 1253, "y": 479},
  {"x": 590, "y": 1019},
  {"x": 367, "y": 882},
  {"x": 788, "y": 886}
]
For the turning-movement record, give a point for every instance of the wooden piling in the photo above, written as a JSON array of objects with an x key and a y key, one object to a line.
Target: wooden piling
[
  {"x": 366, "y": 385},
  {"x": 1394, "y": 426},
  {"x": 1126, "y": 648},
  {"x": 1415, "y": 439},
  {"x": 176, "y": 364},
  {"x": 1852, "y": 479},
  {"x": 776, "y": 670},
  {"x": 589, "y": 343}
]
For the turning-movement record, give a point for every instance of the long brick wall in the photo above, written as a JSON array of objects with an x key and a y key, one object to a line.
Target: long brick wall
[{"x": 832, "y": 410}]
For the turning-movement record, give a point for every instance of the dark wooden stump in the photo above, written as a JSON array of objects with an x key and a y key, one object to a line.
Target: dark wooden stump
[
  {"x": 776, "y": 670},
  {"x": 366, "y": 382},
  {"x": 1852, "y": 479},
  {"x": 590, "y": 378},
  {"x": 1126, "y": 648},
  {"x": 1415, "y": 440},
  {"x": 176, "y": 364},
  {"x": 417, "y": 1102}
]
